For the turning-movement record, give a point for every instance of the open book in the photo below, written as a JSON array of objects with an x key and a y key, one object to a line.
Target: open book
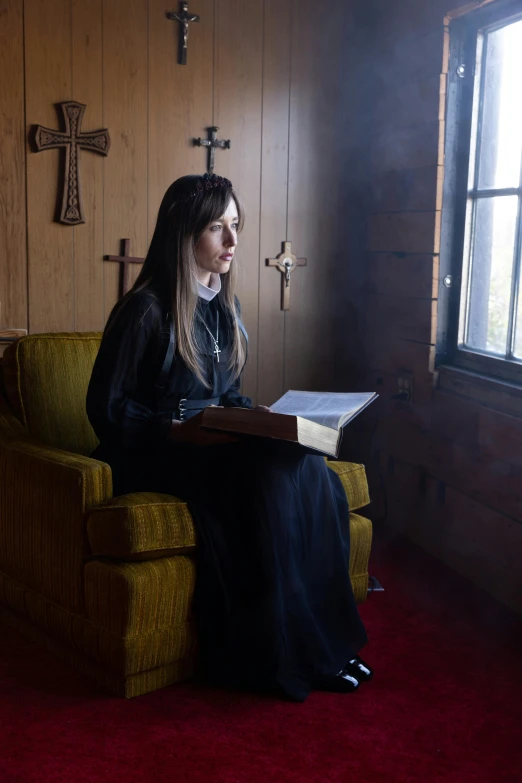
[{"x": 314, "y": 419}]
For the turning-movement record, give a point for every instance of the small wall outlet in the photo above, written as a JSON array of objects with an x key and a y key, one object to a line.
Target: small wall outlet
[{"x": 404, "y": 387}]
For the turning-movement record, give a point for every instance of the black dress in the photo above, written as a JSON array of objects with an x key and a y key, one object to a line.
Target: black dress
[{"x": 274, "y": 602}]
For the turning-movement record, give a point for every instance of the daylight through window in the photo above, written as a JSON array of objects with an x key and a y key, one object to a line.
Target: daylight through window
[{"x": 490, "y": 319}]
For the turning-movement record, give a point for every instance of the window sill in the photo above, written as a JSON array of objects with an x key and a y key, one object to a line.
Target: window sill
[{"x": 505, "y": 396}]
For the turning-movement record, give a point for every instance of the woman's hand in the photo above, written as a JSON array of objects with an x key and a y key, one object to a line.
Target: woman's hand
[{"x": 191, "y": 431}]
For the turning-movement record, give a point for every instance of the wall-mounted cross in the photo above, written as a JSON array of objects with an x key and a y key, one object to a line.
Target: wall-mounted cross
[
  {"x": 125, "y": 259},
  {"x": 72, "y": 140},
  {"x": 286, "y": 262},
  {"x": 212, "y": 143},
  {"x": 183, "y": 17}
]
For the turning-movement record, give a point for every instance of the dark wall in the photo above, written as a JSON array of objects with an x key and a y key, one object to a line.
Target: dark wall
[{"x": 451, "y": 461}]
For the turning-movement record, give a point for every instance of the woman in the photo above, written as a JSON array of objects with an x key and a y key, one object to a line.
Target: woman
[{"x": 274, "y": 603}]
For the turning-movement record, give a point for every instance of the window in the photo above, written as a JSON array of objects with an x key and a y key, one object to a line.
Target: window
[{"x": 482, "y": 211}]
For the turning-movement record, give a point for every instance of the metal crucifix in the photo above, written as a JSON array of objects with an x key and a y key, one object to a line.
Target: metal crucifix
[
  {"x": 286, "y": 262},
  {"x": 212, "y": 143},
  {"x": 73, "y": 139},
  {"x": 183, "y": 17}
]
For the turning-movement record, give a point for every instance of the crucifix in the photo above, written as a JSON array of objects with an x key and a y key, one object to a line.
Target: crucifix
[
  {"x": 73, "y": 139},
  {"x": 125, "y": 259},
  {"x": 286, "y": 262},
  {"x": 212, "y": 143},
  {"x": 183, "y": 17}
]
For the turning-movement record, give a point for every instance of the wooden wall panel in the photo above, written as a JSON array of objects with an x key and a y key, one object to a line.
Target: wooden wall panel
[
  {"x": 48, "y": 73},
  {"x": 237, "y": 112},
  {"x": 87, "y": 84},
  {"x": 465, "y": 506},
  {"x": 125, "y": 93},
  {"x": 476, "y": 541},
  {"x": 316, "y": 224},
  {"x": 406, "y": 148},
  {"x": 407, "y": 232},
  {"x": 274, "y": 192},
  {"x": 13, "y": 255},
  {"x": 179, "y": 102},
  {"x": 407, "y": 190},
  {"x": 394, "y": 273}
]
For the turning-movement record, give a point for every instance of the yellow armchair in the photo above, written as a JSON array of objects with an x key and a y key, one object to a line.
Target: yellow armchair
[{"x": 105, "y": 582}]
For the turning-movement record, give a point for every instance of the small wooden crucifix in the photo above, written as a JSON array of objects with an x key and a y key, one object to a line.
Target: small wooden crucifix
[
  {"x": 125, "y": 259},
  {"x": 212, "y": 143},
  {"x": 72, "y": 139},
  {"x": 183, "y": 17},
  {"x": 286, "y": 262}
]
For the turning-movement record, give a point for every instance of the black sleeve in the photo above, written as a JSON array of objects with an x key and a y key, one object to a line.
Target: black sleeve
[
  {"x": 233, "y": 399},
  {"x": 117, "y": 406}
]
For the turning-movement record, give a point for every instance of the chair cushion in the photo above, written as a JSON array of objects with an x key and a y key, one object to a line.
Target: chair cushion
[
  {"x": 141, "y": 526},
  {"x": 46, "y": 378},
  {"x": 353, "y": 479}
]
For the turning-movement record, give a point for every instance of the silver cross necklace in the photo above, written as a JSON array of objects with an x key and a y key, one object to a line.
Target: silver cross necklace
[{"x": 217, "y": 349}]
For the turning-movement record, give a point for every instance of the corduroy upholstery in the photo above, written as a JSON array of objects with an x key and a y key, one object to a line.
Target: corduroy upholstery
[
  {"x": 140, "y": 526},
  {"x": 105, "y": 582},
  {"x": 46, "y": 378}
]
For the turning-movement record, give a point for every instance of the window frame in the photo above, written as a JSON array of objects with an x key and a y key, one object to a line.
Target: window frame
[{"x": 464, "y": 33}]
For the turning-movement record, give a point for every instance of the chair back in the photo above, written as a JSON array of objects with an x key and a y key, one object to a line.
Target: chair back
[{"x": 45, "y": 379}]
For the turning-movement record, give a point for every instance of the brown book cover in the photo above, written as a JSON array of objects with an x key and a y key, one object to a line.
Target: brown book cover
[{"x": 314, "y": 419}]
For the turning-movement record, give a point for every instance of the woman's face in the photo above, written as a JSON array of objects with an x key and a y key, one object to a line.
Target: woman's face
[{"x": 216, "y": 246}]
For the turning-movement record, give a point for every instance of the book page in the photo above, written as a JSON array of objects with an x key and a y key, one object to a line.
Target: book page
[{"x": 326, "y": 408}]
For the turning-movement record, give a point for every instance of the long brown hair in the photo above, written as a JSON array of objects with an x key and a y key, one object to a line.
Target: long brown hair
[{"x": 188, "y": 207}]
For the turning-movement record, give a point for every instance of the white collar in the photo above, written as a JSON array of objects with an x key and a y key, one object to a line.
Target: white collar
[{"x": 209, "y": 292}]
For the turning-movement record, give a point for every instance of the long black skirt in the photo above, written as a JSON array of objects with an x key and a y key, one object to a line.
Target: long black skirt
[{"x": 274, "y": 604}]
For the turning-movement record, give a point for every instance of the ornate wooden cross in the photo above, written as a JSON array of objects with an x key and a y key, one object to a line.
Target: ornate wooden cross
[
  {"x": 183, "y": 17},
  {"x": 212, "y": 143},
  {"x": 72, "y": 139},
  {"x": 125, "y": 259},
  {"x": 286, "y": 262}
]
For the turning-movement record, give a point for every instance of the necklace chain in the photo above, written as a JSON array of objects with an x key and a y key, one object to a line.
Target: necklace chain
[{"x": 217, "y": 349}]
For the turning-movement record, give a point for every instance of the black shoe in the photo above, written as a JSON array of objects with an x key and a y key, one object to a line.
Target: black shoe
[
  {"x": 359, "y": 669},
  {"x": 343, "y": 682}
]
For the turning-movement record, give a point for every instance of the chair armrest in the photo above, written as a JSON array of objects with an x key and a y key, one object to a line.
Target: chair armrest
[
  {"x": 354, "y": 481},
  {"x": 141, "y": 526},
  {"x": 44, "y": 495}
]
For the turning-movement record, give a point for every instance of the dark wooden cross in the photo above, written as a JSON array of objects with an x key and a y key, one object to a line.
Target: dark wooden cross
[
  {"x": 212, "y": 143},
  {"x": 183, "y": 17},
  {"x": 72, "y": 140},
  {"x": 286, "y": 262},
  {"x": 125, "y": 259}
]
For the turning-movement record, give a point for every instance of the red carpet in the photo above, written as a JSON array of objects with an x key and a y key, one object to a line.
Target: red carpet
[{"x": 445, "y": 705}]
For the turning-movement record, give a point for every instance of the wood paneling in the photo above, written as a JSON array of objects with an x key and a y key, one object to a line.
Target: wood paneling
[
  {"x": 274, "y": 191},
  {"x": 13, "y": 265},
  {"x": 407, "y": 190},
  {"x": 319, "y": 145},
  {"x": 477, "y": 541},
  {"x": 401, "y": 316},
  {"x": 413, "y": 103},
  {"x": 390, "y": 353},
  {"x": 398, "y": 273},
  {"x": 87, "y": 82},
  {"x": 407, "y": 148},
  {"x": 473, "y": 471},
  {"x": 125, "y": 58},
  {"x": 179, "y": 101},
  {"x": 48, "y": 75},
  {"x": 238, "y": 112},
  {"x": 407, "y": 232},
  {"x": 421, "y": 59}
]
